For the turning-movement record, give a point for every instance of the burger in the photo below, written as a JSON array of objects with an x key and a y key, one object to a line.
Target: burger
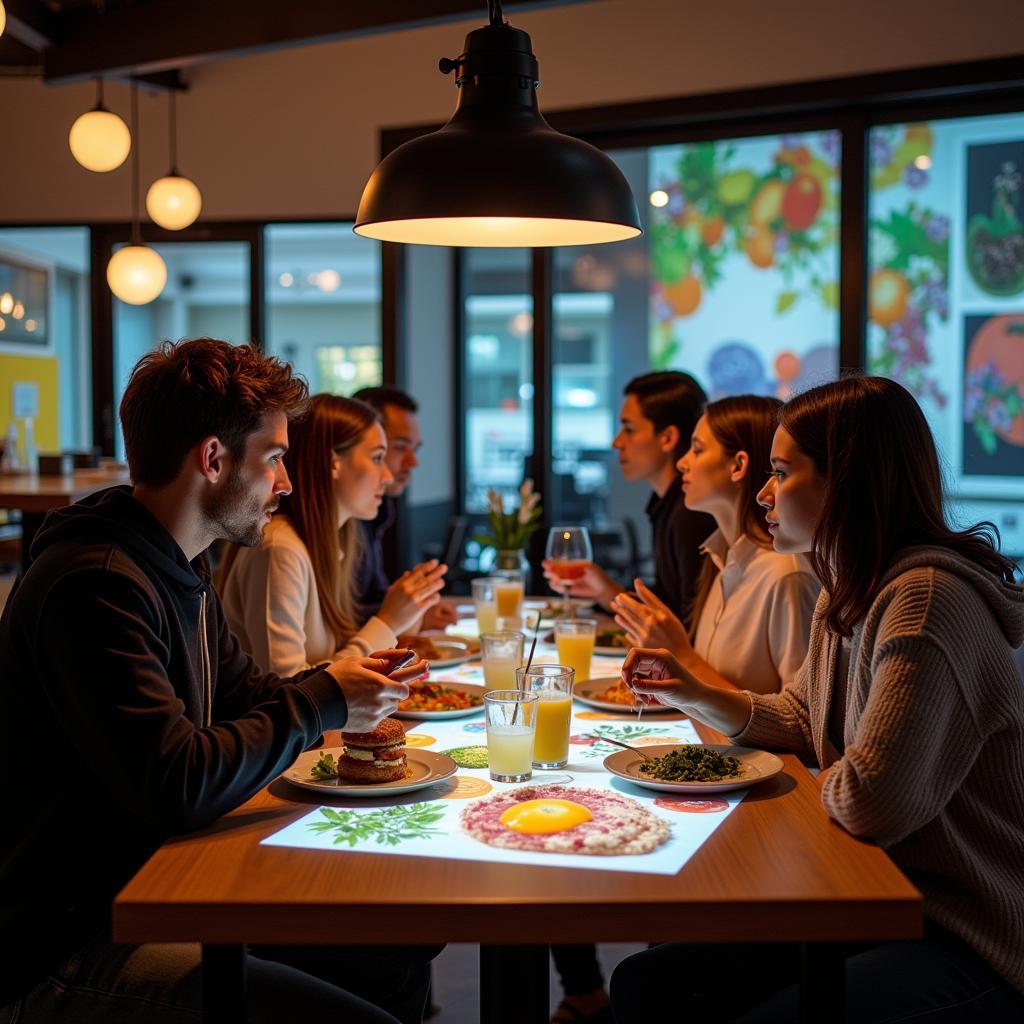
[{"x": 376, "y": 756}]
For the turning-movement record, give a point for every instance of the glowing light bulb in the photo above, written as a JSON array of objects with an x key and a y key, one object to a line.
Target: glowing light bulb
[
  {"x": 100, "y": 140},
  {"x": 136, "y": 274},
  {"x": 6, "y": 302},
  {"x": 173, "y": 202},
  {"x": 658, "y": 198}
]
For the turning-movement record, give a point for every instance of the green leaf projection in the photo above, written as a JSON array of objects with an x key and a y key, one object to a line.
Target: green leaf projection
[{"x": 387, "y": 826}]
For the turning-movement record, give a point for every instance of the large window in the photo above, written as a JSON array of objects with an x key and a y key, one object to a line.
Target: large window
[
  {"x": 498, "y": 381},
  {"x": 323, "y": 304},
  {"x": 946, "y": 285},
  {"x": 207, "y": 294}
]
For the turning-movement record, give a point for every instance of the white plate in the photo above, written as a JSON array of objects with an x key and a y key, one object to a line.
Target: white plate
[
  {"x": 457, "y": 649},
  {"x": 608, "y": 652},
  {"x": 550, "y": 609},
  {"x": 584, "y": 692},
  {"x": 426, "y": 767},
  {"x": 756, "y": 766},
  {"x": 437, "y": 716}
]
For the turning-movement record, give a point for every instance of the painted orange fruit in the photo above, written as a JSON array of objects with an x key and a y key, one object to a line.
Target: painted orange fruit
[
  {"x": 760, "y": 247},
  {"x": 683, "y": 295},
  {"x": 712, "y": 230},
  {"x": 888, "y": 292}
]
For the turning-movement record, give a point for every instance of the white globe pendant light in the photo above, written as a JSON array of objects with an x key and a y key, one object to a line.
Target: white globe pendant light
[
  {"x": 3, "y": 18},
  {"x": 99, "y": 139},
  {"x": 136, "y": 273},
  {"x": 173, "y": 201}
]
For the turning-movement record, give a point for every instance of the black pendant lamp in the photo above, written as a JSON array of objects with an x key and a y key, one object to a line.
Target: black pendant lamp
[{"x": 497, "y": 174}]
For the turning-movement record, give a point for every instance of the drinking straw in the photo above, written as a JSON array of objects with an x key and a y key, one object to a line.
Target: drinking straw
[{"x": 526, "y": 670}]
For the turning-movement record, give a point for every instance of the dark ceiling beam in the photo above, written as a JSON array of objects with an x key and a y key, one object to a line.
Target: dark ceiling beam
[
  {"x": 175, "y": 33},
  {"x": 31, "y": 22}
]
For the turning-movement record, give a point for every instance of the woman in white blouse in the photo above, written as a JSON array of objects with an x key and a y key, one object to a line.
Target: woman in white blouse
[
  {"x": 751, "y": 619},
  {"x": 290, "y": 600}
]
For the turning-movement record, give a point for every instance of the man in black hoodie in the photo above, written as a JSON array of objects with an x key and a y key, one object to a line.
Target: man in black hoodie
[{"x": 128, "y": 712}]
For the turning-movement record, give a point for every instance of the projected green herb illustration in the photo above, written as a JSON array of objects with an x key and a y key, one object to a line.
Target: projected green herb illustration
[{"x": 387, "y": 826}]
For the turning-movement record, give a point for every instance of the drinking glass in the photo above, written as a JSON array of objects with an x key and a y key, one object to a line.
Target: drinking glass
[
  {"x": 553, "y": 685},
  {"x": 483, "y": 601},
  {"x": 568, "y": 550},
  {"x": 511, "y": 719},
  {"x": 508, "y": 598},
  {"x": 501, "y": 654},
  {"x": 575, "y": 641}
]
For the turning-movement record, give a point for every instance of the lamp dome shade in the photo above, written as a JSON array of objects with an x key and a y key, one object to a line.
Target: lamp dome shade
[
  {"x": 3, "y": 18},
  {"x": 100, "y": 140},
  {"x": 173, "y": 202},
  {"x": 136, "y": 274},
  {"x": 497, "y": 174}
]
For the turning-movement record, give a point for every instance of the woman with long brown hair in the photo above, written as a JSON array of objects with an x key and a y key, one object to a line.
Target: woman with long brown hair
[
  {"x": 750, "y": 619},
  {"x": 751, "y": 616},
  {"x": 910, "y": 701},
  {"x": 290, "y": 601}
]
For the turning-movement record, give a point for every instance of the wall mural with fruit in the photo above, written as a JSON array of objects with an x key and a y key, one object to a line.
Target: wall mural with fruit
[
  {"x": 946, "y": 288},
  {"x": 744, "y": 257}
]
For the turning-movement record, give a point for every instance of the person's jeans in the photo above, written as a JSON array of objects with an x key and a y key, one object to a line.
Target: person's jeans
[
  {"x": 160, "y": 983},
  {"x": 935, "y": 979},
  {"x": 578, "y": 969}
]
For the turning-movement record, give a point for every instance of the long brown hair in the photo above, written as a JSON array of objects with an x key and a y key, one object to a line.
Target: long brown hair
[
  {"x": 332, "y": 426},
  {"x": 742, "y": 423},
  {"x": 868, "y": 438}
]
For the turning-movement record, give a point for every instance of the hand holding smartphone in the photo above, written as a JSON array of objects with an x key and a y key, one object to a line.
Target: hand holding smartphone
[{"x": 395, "y": 659}]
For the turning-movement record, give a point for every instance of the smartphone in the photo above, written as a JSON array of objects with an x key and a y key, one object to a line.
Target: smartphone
[{"x": 395, "y": 660}]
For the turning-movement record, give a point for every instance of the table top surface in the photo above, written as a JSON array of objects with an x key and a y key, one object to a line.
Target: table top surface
[
  {"x": 777, "y": 869},
  {"x": 34, "y": 493}
]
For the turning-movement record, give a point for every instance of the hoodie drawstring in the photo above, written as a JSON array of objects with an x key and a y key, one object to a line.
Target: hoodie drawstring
[{"x": 204, "y": 656}]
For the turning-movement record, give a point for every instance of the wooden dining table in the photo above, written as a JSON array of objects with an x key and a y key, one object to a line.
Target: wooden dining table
[
  {"x": 776, "y": 870},
  {"x": 33, "y": 495}
]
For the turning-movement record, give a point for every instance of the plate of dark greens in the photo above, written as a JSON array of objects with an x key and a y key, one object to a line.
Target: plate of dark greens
[{"x": 693, "y": 767}]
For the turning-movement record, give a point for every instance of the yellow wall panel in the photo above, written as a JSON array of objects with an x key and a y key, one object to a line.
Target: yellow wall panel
[{"x": 42, "y": 370}]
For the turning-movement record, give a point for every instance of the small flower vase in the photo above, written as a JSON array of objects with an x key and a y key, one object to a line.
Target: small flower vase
[{"x": 513, "y": 559}]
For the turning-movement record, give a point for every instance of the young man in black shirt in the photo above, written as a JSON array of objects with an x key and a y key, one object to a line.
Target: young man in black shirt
[
  {"x": 657, "y": 418},
  {"x": 128, "y": 711}
]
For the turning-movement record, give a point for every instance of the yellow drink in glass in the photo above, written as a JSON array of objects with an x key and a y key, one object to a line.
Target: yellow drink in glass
[
  {"x": 575, "y": 650},
  {"x": 551, "y": 747},
  {"x": 508, "y": 597},
  {"x": 486, "y": 617},
  {"x": 500, "y": 674},
  {"x": 510, "y": 750}
]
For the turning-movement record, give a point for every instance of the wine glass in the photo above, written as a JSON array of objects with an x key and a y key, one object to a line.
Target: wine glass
[{"x": 568, "y": 550}]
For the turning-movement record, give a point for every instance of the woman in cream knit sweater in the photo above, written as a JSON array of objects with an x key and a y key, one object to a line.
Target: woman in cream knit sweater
[
  {"x": 910, "y": 701},
  {"x": 290, "y": 600}
]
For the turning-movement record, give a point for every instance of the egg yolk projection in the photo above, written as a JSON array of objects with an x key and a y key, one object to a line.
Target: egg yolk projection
[{"x": 543, "y": 817}]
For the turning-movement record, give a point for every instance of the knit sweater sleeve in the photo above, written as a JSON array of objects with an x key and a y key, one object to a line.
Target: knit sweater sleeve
[{"x": 915, "y": 743}]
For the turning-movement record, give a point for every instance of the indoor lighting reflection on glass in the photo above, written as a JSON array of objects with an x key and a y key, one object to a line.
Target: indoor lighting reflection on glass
[
  {"x": 6, "y": 302},
  {"x": 286, "y": 280},
  {"x": 18, "y": 312},
  {"x": 328, "y": 280},
  {"x": 658, "y": 198},
  {"x": 521, "y": 323},
  {"x": 923, "y": 162},
  {"x": 3, "y": 324},
  {"x": 30, "y": 326}
]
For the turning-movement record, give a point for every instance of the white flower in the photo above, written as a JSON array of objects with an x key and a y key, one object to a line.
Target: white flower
[
  {"x": 494, "y": 502},
  {"x": 527, "y": 507},
  {"x": 526, "y": 488}
]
